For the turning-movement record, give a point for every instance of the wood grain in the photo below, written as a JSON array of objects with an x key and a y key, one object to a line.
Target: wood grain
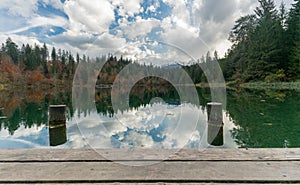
[
  {"x": 18, "y": 155},
  {"x": 165, "y": 171},
  {"x": 209, "y": 166}
]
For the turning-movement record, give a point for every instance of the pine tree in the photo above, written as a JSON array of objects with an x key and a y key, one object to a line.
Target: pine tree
[
  {"x": 11, "y": 50},
  {"x": 264, "y": 50},
  {"x": 37, "y": 57},
  {"x": 238, "y": 58},
  {"x": 281, "y": 40},
  {"x": 293, "y": 41},
  {"x": 28, "y": 57},
  {"x": 53, "y": 55},
  {"x": 44, "y": 52},
  {"x": 22, "y": 57},
  {"x": 77, "y": 58}
]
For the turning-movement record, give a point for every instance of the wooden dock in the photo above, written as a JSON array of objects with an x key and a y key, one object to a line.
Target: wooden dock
[{"x": 206, "y": 166}]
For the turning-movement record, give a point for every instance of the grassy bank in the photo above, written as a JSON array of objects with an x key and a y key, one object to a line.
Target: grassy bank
[{"x": 273, "y": 85}]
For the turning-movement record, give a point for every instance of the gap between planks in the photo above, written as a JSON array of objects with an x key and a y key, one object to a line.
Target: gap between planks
[
  {"x": 77, "y": 166},
  {"x": 154, "y": 183}
]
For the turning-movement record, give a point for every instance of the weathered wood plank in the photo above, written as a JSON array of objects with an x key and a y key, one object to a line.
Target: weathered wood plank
[
  {"x": 200, "y": 171},
  {"x": 155, "y": 183},
  {"x": 7, "y": 155}
]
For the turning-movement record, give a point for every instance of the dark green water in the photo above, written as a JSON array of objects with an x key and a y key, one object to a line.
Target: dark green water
[
  {"x": 253, "y": 118},
  {"x": 265, "y": 118}
]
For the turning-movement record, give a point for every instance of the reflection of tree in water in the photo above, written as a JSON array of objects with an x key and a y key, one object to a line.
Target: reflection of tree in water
[
  {"x": 140, "y": 95},
  {"x": 29, "y": 108},
  {"x": 103, "y": 102},
  {"x": 265, "y": 118}
]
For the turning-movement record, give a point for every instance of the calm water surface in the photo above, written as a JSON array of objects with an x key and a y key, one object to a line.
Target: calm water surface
[{"x": 156, "y": 118}]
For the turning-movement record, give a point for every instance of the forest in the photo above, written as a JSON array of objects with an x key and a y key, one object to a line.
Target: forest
[
  {"x": 265, "y": 48},
  {"x": 265, "y": 45}
]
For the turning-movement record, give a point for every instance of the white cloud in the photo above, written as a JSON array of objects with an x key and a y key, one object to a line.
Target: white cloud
[
  {"x": 127, "y": 8},
  {"x": 37, "y": 21},
  {"x": 205, "y": 26},
  {"x": 19, "y": 8},
  {"x": 53, "y": 21},
  {"x": 21, "y": 16},
  {"x": 181, "y": 16},
  {"x": 19, "y": 39},
  {"x": 139, "y": 28},
  {"x": 151, "y": 8},
  {"x": 74, "y": 39},
  {"x": 87, "y": 28},
  {"x": 180, "y": 13},
  {"x": 186, "y": 41},
  {"x": 196, "y": 28},
  {"x": 89, "y": 16},
  {"x": 132, "y": 50},
  {"x": 54, "y": 3},
  {"x": 109, "y": 41},
  {"x": 10, "y": 22},
  {"x": 132, "y": 6}
]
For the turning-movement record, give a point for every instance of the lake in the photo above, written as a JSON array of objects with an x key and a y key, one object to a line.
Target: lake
[{"x": 155, "y": 118}]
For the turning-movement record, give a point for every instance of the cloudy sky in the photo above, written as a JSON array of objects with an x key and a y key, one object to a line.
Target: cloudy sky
[{"x": 134, "y": 28}]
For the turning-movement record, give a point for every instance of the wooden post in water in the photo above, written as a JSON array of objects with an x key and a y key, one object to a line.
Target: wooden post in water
[
  {"x": 57, "y": 125},
  {"x": 215, "y": 124}
]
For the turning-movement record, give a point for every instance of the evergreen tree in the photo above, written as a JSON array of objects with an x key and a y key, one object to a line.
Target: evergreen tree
[
  {"x": 53, "y": 55},
  {"x": 71, "y": 66},
  {"x": 63, "y": 58},
  {"x": 238, "y": 57},
  {"x": 264, "y": 50},
  {"x": 293, "y": 41},
  {"x": 22, "y": 57},
  {"x": 281, "y": 40},
  {"x": 28, "y": 58},
  {"x": 77, "y": 58},
  {"x": 11, "y": 50},
  {"x": 37, "y": 58},
  {"x": 44, "y": 52},
  {"x": 3, "y": 52}
]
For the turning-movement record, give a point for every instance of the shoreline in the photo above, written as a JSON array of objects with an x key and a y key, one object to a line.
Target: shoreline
[
  {"x": 229, "y": 85},
  {"x": 272, "y": 85}
]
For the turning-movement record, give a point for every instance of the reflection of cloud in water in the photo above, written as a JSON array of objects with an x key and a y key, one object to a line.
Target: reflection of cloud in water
[
  {"x": 151, "y": 126},
  {"x": 155, "y": 125},
  {"x": 34, "y": 137},
  {"x": 16, "y": 143}
]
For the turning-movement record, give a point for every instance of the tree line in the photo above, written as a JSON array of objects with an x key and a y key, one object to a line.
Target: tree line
[
  {"x": 266, "y": 45},
  {"x": 31, "y": 65}
]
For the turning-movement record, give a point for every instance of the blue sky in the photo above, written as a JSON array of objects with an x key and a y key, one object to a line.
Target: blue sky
[{"x": 163, "y": 29}]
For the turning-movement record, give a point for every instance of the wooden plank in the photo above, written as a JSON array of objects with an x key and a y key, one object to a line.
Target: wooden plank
[
  {"x": 155, "y": 183},
  {"x": 199, "y": 171},
  {"x": 212, "y": 154}
]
